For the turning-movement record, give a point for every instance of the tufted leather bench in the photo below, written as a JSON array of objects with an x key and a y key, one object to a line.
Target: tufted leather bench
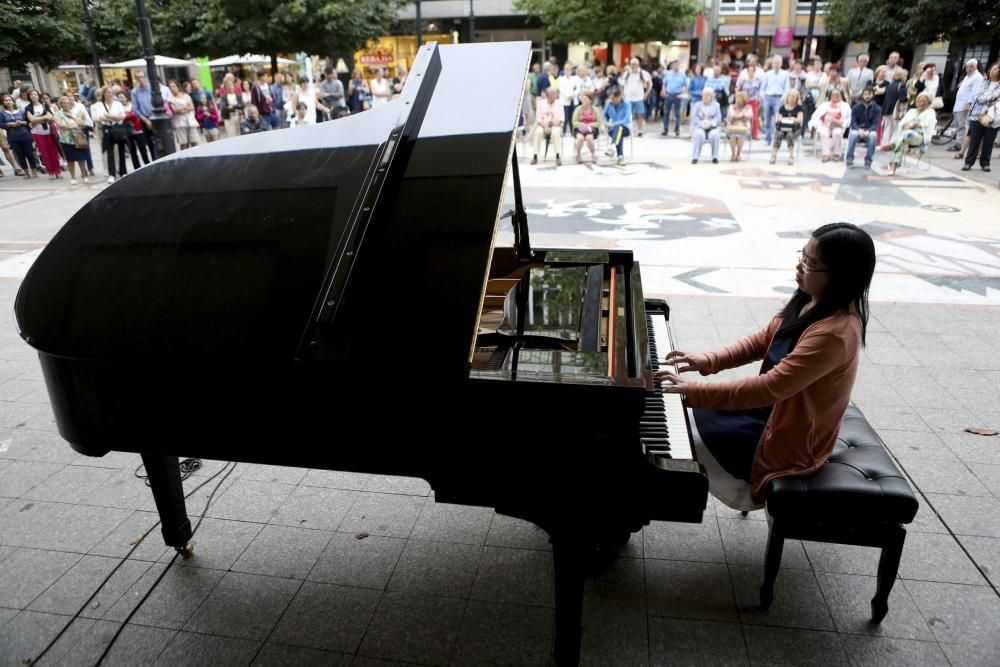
[{"x": 857, "y": 497}]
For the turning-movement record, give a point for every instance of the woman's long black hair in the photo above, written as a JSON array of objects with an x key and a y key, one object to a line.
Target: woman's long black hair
[{"x": 849, "y": 256}]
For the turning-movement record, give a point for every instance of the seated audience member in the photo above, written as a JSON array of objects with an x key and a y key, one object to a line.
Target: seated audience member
[
  {"x": 548, "y": 118},
  {"x": 866, "y": 118},
  {"x": 915, "y": 128},
  {"x": 302, "y": 116},
  {"x": 618, "y": 121},
  {"x": 787, "y": 126},
  {"x": 706, "y": 116},
  {"x": 738, "y": 125},
  {"x": 830, "y": 120},
  {"x": 586, "y": 125},
  {"x": 785, "y": 420},
  {"x": 254, "y": 123}
]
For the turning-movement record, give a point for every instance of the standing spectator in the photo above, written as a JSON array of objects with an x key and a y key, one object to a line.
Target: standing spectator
[
  {"x": 797, "y": 78},
  {"x": 198, "y": 93},
  {"x": 109, "y": 114},
  {"x": 544, "y": 81},
  {"x": 43, "y": 132},
  {"x": 696, "y": 84},
  {"x": 262, "y": 98},
  {"x": 548, "y": 123},
  {"x": 357, "y": 92},
  {"x": 830, "y": 120},
  {"x": 895, "y": 102},
  {"x": 254, "y": 122},
  {"x": 675, "y": 83},
  {"x": 80, "y": 109},
  {"x": 133, "y": 131},
  {"x": 963, "y": 105},
  {"x": 245, "y": 92},
  {"x": 706, "y": 116},
  {"x": 618, "y": 121},
  {"x": 9, "y": 154},
  {"x": 600, "y": 85},
  {"x": 738, "y": 127},
  {"x": 52, "y": 108},
  {"x": 184, "y": 120},
  {"x": 306, "y": 94},
  {"x": 834, "y": 82},
  {"x": 586, "y": 125},
  {"x": 14, "y": 122},
  {"x": 73, "y": 137},
  {"x": 536, "y": 71},
  {"x": 891, "y": 65},
  {"x": 717, "y": 78},
  {"x": 653, "y": 108},
  {"x": 380, "y": 88},
  {"x": 984, "y": 109},
  {"x": 915, "y": 129},
  {"x": 637, "y": 83},
  {"x": 277, "y": 88},
  {"x": 927, "y": 82},
  {"x": 814, "y": 79},
  {"x": 879, "y": 85},
  {"x": 569, "y": 91},
  {"x": 142, "y": 104},
  {"x": 752, "y": 84},
  {"x": 88, "y": 92},
  {"x": 398, "y": 81},
  {"x": 776, "y": 86},
  {"x": 231, "y": 105},
  {"x": 859, "y": 77},
  {"x": 788, "y": 125},
  {"x": 866, "y": 119},
  {"x": 208, "y": 119},
  {"x": 332, "y": 90}
]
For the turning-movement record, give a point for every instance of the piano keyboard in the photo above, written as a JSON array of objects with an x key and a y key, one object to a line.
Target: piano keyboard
[{"x": 663, "y": 428}]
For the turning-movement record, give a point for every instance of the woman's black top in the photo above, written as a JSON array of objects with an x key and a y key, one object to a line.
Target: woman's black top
[
  {"x": 786, "y": 113},
  {"x": 894, "y": 92}
]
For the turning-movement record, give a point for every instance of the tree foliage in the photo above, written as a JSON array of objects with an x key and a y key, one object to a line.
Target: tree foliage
[
  {"x": 49, "y": 31},
  {"x": 915, "y": 21},
  {"x": 613, "y": 21}
]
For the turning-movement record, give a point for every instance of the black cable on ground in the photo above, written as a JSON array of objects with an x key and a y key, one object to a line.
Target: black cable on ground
[
  {"x": 135, "y": 546},
  {"x": 188, "y": 466}
]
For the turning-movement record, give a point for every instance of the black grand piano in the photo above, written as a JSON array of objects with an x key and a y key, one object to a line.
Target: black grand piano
[{"x": 337, "y": 289}]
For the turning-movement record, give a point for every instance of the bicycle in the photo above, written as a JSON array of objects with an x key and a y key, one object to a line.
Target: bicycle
[{"x": 946, "y": 130}]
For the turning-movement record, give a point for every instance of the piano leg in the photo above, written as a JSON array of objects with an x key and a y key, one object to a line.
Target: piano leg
[
  {"x": 568, "y": 558},
  {"x": 164, "y": 475}
]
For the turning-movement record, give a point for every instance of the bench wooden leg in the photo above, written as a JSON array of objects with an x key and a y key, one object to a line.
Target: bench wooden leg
[
  {"x": 775, "y": 544},
  {"x": 888, "y": 565}
]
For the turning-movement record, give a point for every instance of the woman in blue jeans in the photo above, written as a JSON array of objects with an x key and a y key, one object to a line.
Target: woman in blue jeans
[{"x": 18, "y": 135}]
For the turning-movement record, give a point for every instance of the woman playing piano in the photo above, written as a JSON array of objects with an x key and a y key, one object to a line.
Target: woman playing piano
[{"x": 785, "y": 420}]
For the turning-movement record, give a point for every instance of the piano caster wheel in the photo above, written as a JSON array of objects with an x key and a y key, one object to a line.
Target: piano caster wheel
[
  {"x": 186, "y": 551},
  {"x": 744, "y": 514}
]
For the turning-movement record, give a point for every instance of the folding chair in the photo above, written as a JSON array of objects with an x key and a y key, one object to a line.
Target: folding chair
[{"x": 922, "y": 161}]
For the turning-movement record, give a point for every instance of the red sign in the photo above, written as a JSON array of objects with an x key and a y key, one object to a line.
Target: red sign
[
  {"x": 376, "y": 59},
  {"x": 783, "y": 36}
]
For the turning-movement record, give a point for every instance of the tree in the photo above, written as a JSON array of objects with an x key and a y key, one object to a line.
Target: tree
[
  {"x": 914, "y": 22},
  {"x": 36, "y": 31},
  {"x": 611, "y": 20}
]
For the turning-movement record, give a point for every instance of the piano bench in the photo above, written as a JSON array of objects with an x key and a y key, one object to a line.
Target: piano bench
[{"x": 857, "y": 497}]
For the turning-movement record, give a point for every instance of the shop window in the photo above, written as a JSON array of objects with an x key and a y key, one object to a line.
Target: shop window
[
  {"x": 802, "y": 7},
  {"x": 744, "y": 7}
]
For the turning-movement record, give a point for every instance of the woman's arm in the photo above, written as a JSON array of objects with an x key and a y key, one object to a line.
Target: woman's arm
[
  {"x": 751, "y": 348},
  {"x": 816, "y": 354}
]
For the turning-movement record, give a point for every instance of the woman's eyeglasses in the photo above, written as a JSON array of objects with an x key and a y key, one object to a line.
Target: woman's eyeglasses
[{"x": 804, "y": 263}]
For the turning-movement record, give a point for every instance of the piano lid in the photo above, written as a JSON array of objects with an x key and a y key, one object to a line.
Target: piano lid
[{"x": 226, "y": 250}]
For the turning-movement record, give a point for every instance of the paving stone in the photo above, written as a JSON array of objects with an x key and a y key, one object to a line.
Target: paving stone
[
  {"x": 957, "y": 613},
  {"x": 86, "y": 640},
  {"x": 445, "y": 522},
  {"x": 686, "y": 589},
  {"x": 518, "y": 576},
  {"x": 18, "y": 477},
  {"x": 124, "y": 540},
  {"x": 935, "y": 557},
  {"x": 195, "y": 650},
  {"x": 26, "y": 635},
  {"x": 988, "y": 474},
  {"x": 798, "y": 601},
  {"x": 613, "y": 636},
  {"x": 618, "y": 585},
  {"x": 414, "y": 628},
  {"x": 122, "y": 489},
  {"x": 281, "y": 551},
  {"x": 982, "y": 654},
  {"x": 899, "y": 418},
  {"x": 968, "y": 515},
  {"x": 383, "y": 514},
  {"x": 793, "y": 647},
  {"x": 247, "y": 500},
  {"x": 945, "y": 477},
  {"x": 79, "y": 528},
  {"x": 6, "y": 551},
  {"x": 70, "y": 484},
  {"x": 280, "y": 655},
  {"x": 437, "y": 568},
  {"x": 219, "y": 543},
  {"x": 315, "y": 507},
  {"x": 84, "y": 583},
  {"x": 507, "y": 531},
  {"x": 328, "y": 617},
  {"x": 256, "y": 472},
  {"x": 916, "y": 445},
  {"x": 972, "y": 449},
  {"x": 889, "y": 651},
  {"x": 745, "y": 543},
  {"x": 684, "y": 541},
  {"x": 410, "y": 486},
  {"x": 367, "y": 562},
  {"x": 15, "y": 415},
  {"x": 27, "y": 573},
  {"x": 336, "y": 479},
  {"x": 842, "y": 558},
  {"x": 174, "y": 600},
  {"x": 848, "y": 597},
  {"x": 494, "y": 633},
  {"x": 243, "y": 605},
  {"x": 677, "y": 641},
  {"x": 985, "y": 551}
]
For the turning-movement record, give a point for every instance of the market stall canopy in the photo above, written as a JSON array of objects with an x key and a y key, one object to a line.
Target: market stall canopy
[
  {"x": 247, "y": 59},
  {"x": 161, "y": 61}
]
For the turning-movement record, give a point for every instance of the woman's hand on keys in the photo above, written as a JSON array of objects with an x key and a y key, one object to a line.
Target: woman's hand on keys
[{"x": 685, "y": 362}]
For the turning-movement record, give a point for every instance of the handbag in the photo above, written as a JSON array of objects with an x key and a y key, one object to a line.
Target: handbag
[
  {"x": 938, "y": 103},
  {"x": 117, "y": 132},
  {"x": 80, "y": 139}
]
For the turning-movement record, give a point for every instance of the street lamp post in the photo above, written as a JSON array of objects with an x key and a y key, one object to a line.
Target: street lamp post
[
  {"x": 162, "y": 127},
  {"x": 420, "y": 32},
  {"x": 93, "y": 42},
  {"x": 809, "y": 32},
  {"x": 472, "y": 23},
  {"x": 756, "y": 28}
]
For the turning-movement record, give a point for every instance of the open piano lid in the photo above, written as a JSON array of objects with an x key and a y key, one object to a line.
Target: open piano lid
[{"x": 293, "y": 244}]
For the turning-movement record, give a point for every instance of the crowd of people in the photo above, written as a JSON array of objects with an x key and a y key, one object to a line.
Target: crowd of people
[
  {"x": 780, "y": 101},
  {"x": 39, "y": 132}
]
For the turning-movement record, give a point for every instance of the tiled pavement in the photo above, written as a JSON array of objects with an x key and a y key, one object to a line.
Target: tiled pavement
[{"x": 280, "y": 576}]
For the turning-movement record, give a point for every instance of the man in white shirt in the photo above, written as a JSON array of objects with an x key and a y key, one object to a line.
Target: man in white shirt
[
  {"x": 636, "y": 83},
  {"x": 569, "y": 93},
  {"x": 859, "y": 77},
  {"x": 890, "y": 65},
  {"x": 963, "y": 104}
]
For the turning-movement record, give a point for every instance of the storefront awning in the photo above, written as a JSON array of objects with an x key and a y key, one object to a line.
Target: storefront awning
[
  {"x": 161, "y": 61},
  {"x": 765, "y": 31},
  {"x": 247, "y": 59}
]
